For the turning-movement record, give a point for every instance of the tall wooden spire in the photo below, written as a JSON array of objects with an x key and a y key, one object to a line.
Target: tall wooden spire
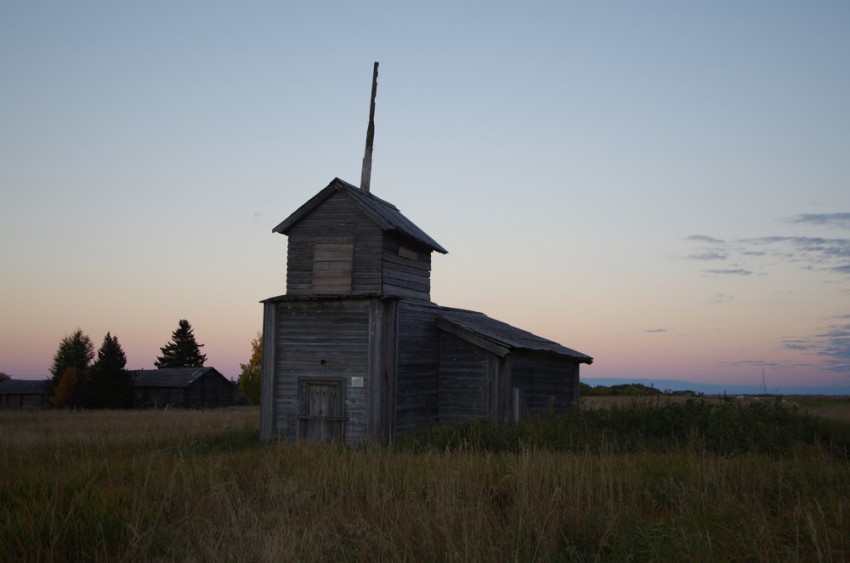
[{"x": 366, "y": 172}]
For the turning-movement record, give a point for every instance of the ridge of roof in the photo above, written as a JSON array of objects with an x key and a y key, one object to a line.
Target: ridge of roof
[{"x": 386, "y": 215}]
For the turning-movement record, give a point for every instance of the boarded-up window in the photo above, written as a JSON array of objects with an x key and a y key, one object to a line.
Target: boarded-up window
[
  {"x": 332, "y": 266},
  {"x": 408, "y": 253}
]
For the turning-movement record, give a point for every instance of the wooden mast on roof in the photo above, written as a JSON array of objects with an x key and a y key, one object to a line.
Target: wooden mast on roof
[{"x": 366, "y": 172}]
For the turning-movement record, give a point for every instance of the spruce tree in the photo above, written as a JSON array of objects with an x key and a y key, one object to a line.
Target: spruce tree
[
  {"x": 75, "y": 353},
  {"x": 110, "y": 385},
  {"x": 183, "y": 351}
]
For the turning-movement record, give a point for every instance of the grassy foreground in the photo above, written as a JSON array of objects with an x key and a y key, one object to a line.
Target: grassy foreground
[{"x": 197, "y": 486}]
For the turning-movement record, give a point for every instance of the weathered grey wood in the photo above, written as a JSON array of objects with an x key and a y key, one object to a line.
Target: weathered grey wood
[
  {"x": 358, "y": 310},
  {"x": 408, "y": 253},
  {"x": 417, "y": 393},
  {"x": 366, "y": 173},
  {"x": 472, "y": 338},
  {"x": 267, "y": 381},
  {"x": 464, "y": 381},
  {"x": 548, "y": 383},
  {"x": 321, "y": 237},
  {"x": 322, "y": 340}
]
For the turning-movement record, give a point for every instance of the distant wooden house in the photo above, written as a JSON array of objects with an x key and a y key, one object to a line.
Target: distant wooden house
[
  {"x": 18, "y": 394},
  {"x": 356, "y": 350},
  {"x": 202, "y": 387}
]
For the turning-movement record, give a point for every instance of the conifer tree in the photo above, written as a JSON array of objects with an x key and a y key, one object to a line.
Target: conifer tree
[
  {"x": 75, "y": 352},
  {"x": 183, "y": 351},
  {"x": 110, "y": 386}
]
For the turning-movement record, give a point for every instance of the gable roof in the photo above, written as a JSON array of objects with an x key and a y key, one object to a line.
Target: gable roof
[
  {"x": 169, "y": 377},
  {"x": 383, "y": 213},
  {"x": 23, "y": 387},
  {"x": 498, "y": 337}
]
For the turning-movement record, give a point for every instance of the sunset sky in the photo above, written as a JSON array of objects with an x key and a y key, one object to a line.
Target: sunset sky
[{"x": 664, "y": 186}]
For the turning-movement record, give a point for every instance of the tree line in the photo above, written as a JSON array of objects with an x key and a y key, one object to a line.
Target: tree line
[{"x": 78, "y": 380}]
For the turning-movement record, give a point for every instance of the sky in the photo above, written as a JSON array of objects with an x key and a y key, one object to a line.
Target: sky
[{"x": 664, "y": 186}]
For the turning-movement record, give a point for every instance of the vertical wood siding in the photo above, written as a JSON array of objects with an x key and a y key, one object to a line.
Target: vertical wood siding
[
  {"x": 318, "y": 340},
  {"x": 548, "y": 383}
]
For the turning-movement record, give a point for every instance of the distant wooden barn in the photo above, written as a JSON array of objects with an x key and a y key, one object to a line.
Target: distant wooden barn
[
  {"x": 18, "y": 394},
  {"x": 357, "y": 350},
  {"x": 202, "y": 387}
]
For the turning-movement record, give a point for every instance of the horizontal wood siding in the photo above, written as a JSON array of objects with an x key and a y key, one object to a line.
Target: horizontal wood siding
[
  {"x": 337, "y": 217},
  {"x": 465, "y": 373},
  {"x": 548, "y": 384},
  {"x": 418, "y": 366},
  {"x": 406, "y": 269},
  {"x": 319, "y": 340}
]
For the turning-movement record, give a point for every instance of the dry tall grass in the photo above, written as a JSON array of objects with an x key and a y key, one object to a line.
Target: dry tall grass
[{"x": 196, "y": 486}]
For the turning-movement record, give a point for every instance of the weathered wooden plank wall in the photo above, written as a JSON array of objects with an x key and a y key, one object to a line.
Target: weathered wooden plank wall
[
  {"x": 465, "y": 374},
  {"x": 548, "y": 383},
  {"x": 268, "y": 416},
  {"x": 336, "y": 218},
  {"x": 418, "y": 366},
  {"x": 321, "y": 339},
  {"x": 406, "y": 269}
]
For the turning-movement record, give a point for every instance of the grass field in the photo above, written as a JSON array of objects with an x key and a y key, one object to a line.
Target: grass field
[
  {"x": 833, "y": 407},
  {"x": 197, "y": 486}
]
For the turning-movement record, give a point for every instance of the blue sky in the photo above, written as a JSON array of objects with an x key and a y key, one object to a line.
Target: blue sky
[{"x": 662, "y": 185}]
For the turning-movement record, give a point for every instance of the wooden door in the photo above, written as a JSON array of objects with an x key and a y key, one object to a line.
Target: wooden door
[{"x": 322, "y": 414}]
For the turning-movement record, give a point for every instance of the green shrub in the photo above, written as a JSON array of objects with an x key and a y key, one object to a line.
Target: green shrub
[{"x": 730, "y": 427}]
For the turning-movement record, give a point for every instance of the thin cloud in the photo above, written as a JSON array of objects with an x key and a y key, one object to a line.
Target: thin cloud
[
  {"x": 704, "y": 238},
  {"x": 832, "y": 346},
  {"x": 730, "y": 272},
  {"x": 839, "y": 220},
  {"x": 655, "y": 330},
  {"x": 810, "y": 253},
  {"x": 709, "y": 256},
  {"x": 755, "y": 364}
]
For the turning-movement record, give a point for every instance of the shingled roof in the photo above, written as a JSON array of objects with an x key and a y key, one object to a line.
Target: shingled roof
[
  {"x": 168, "y": 377},
  {"x": 503, "y": 337},
  {"x": 384, "y": 214}
]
